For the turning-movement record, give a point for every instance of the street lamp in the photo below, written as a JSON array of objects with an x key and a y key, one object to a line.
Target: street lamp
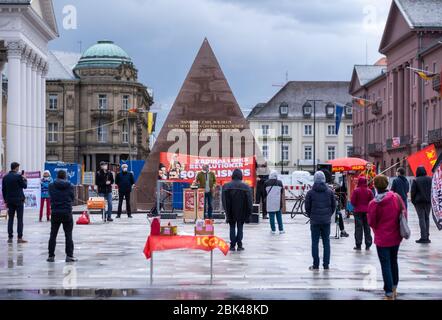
[{"x": 308, "y": 105}]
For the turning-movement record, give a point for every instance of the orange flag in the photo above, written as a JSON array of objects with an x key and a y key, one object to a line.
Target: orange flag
[{"x": 426, "y": 157}]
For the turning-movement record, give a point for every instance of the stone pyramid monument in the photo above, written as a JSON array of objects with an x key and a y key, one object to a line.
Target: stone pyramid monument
[{"x": 205, "y": 102}]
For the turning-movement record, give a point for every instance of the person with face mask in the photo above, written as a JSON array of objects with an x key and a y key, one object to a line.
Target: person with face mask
[
  {"x": 104, "y": 180},
  {"x": 45, "y": 182},
  {"x": 206, "y": 179},
  {"x": 125, "y": 181}
]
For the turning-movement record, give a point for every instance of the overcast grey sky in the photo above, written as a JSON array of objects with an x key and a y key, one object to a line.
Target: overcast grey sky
[{"x": 256, "y": 41}]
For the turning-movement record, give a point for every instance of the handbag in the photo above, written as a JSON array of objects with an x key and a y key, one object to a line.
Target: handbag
[{"x": 403, "y": 222}]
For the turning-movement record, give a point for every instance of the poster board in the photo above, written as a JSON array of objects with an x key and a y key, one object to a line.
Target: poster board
[
  {"x": 33, "y": 192},
  {"x": 189, "y": 204}
]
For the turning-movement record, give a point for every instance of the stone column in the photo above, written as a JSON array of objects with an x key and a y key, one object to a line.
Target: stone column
[
  {"x": 395, "y": 104},
  {"x": 39, "y": 143},
  {"x": 23, "y": 110},
  {"x": 44, "y": 73},
  {"x": 33, "y": 111},
  {"x": 401, "y": 105},
  {"x": 88, "y": 163},
  {"x": 15, "y": 49},
  {"x": 29, "y": 130},
  {"x": 407, "y": 103},
  {"x": 94, "y": 163}
]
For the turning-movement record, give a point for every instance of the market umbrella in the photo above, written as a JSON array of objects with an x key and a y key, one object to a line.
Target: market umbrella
[{"x": 348, "y": 164}]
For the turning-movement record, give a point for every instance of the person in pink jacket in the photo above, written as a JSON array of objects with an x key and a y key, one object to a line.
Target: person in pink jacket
[
  {"x": 383, "y": 218},
  {"x": 360, "y": 199}
]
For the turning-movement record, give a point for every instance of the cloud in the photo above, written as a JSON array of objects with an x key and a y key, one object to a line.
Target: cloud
[{"x": 255, "y": 41}]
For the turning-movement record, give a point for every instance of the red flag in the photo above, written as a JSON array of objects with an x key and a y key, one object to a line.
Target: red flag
[{"x": 426, "y": 157}]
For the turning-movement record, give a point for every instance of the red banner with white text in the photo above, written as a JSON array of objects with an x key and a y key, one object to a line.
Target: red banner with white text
[{"x": 184, "y": 168}]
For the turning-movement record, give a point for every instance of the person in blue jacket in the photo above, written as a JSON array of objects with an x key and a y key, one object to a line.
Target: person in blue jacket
[
  {"x": 125, "y": 181},
  {"x": 45, "y": 182}
]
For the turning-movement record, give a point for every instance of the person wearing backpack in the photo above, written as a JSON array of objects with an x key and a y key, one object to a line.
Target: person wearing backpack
[
  {"x": 275, "y": 201},
  {"x": 421, "y": 199},
  {"x": 384, "y": 214}
]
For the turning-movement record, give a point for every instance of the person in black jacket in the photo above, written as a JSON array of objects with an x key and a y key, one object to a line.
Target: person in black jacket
[
  {"x": 62, "y": 196},
  {"x": 401, "y": 186},
  {"x": 238, "y": 205},
  {"x": 104, "y": 179},
  {"x": 421, "y": 199},
  {"x": 14, "y": 197},
  {"x": 320, "y": 204},
  {"x": 125, "y": 181}
]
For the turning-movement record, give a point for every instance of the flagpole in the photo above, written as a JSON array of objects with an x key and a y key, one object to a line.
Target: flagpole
[{"x": 420, "y": 70}]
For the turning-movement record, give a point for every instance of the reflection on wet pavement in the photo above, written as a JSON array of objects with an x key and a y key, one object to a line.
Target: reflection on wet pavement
[{"x": 112, "y": 266}]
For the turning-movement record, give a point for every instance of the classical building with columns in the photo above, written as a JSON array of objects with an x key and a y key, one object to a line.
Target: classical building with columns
[
  {"x": 96, "y": 107},
  {"x": 404, "y": 112},
  {"x": 26, "y": 27}
]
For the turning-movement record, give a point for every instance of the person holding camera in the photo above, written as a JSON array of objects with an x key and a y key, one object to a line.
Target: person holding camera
[{"x": 14, "y": 197}]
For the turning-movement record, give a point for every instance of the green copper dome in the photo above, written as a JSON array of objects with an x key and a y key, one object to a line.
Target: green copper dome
[{"x": 104, "y": 54}]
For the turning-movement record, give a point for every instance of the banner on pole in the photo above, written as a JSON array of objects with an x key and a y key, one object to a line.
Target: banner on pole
[
  {"x": 436, "y": 196},
  {"x": 184, "y": 168}
]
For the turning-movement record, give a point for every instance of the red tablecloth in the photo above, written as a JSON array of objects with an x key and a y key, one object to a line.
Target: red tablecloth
[{"x": 205, "y": 243}]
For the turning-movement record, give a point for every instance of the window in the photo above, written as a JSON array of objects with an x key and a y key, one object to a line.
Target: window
[
  {"x": 349, "y": 151},
  {"x": 434, "y": 67},
  {"x": 265, "y": 152},
  {"x": 308, "y": 153},
  {"x": 53, "y": 132},
  {"x": 265, "y": 129},
  {"x": 102, "y": 101},
  {"x": 284, "y": 153},
  {"x": 102, "y": 134},
  {"x": 125, "y": 134},
  {"x": 284, "y": 109},
  {"x": 125, "y": 103},
  {"x": 349, "y": 131},
  {"x": 284, "y": 130},
  {"x": 349, "y": 109},
  {"x": 53, "y": 102},
  {"x": 307, "y": 109},
  {"x": 330, "y": 109},
  {"x": 308, "y": 130},
  {"x": 331, "y": 152},
  {"x": 331, "y": 130}
]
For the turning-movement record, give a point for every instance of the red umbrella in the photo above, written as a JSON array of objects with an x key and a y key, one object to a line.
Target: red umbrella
[{"x": 348, "y": 164}]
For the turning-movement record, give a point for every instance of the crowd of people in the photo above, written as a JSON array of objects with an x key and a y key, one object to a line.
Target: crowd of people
[
  {"x": 375, "y": 208},
  {"x": 58, "y": 196}
]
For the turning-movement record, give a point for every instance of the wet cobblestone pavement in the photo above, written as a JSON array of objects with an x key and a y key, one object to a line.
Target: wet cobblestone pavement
[{"x": 112, "y": 265}]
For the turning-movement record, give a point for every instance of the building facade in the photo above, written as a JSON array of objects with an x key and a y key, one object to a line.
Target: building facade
[
  {"x": 403, "y": 112},
  {"x": 26, "y": 28},
  {"x": 96, "y": 108},
  {"x": 284, "y": 126}
]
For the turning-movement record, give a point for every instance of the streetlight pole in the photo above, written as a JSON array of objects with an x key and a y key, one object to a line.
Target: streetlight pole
[
  {"x": 314, "y": 130},
  {"x": 282, "y": 147}
]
